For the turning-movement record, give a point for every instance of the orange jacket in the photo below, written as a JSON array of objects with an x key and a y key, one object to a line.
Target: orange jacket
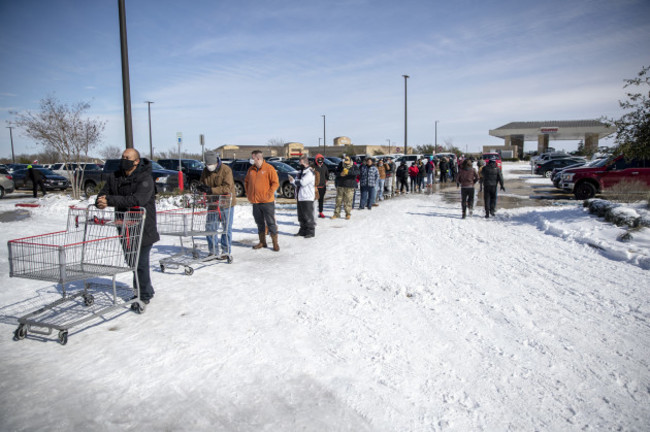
[{"x": 261, "y": 184}]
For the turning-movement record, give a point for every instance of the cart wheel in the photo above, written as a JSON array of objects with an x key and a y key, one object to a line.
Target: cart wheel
[
  {"x": 189, "y": 271},
  {"x": 63, "y": 337},
  {"x": 20, "y": 332},
  {"x": 89, "y": 299},
  {"x": 162, "y": 268},
  {"x": 137, "y": 308},
  {"x": 229, "y": 259}
]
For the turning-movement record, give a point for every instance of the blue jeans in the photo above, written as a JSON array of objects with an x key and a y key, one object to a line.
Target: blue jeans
[
  {"x": 367, "y": 196},
  {"x": 224, "y": 223},
  {"x": 380, "y": 190}
]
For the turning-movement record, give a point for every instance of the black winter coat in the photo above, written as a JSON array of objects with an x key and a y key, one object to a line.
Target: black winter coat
[
  {"x": 137, "y": 190},
  {"x": 402, "y": 172},
  {"x": 492, "y": 175},
  {"x": 349, "y": 180}
]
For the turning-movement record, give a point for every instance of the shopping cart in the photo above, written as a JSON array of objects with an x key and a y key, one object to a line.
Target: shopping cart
[
  {"x": 206, "y": 215},
  {"x": 96, "y": 243}
]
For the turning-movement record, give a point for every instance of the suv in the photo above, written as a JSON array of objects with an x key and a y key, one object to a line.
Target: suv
[
  {"x": 586, "y": 182},
  {"x": 286, "y": 189},
  {"x": 191, "y": 168},
  {"x": 487, "y": 157}
]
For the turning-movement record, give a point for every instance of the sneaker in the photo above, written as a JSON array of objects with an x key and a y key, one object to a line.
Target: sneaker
[
  {"x": 335, "y": 217},
  {"x": 347, "y": 217},
  {"x": 222, "y": 257},
  {"x": 321, "y": 215},
  {"x": 375, "y": 205}
]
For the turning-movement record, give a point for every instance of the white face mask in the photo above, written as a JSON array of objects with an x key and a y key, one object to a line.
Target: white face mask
[
  {"x": 251, "y": 161},
  {"x": 211, "y": 167}
]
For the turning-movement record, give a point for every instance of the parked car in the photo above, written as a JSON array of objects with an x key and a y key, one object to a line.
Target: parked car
[
  {"x": 546, "y": 168},
  {"x": 52, "y": 181},
  {"x": 6, "y": 183},
  {"x": 586, "y": 182},
  {"x": 67, "y": 169},
  {"x": 556, "y": 174},
  {"x": 286, "y": 189},
  {"x": 408, "y": 158},
  {"x": 487, "y": 157},
  {"x": 191, "y": 168},
  {"x": 164, "y": 180},
  {"x": 18, "y": 166}
]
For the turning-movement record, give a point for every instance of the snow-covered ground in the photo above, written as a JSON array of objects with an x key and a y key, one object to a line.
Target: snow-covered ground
[{"x": 404, "y": 318}]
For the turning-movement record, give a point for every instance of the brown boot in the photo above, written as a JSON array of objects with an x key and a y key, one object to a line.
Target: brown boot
[
  {"x": 276, "y": 247},
  {"x": 262, "y": 242}
]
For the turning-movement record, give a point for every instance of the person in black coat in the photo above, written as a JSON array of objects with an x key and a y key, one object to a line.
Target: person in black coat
[
  {"x": 321, "y": 187},
  {"x": 402, "y": 178},
  {"x": 444, "y": 168},
  {"x": 133, "y": 186},
  {"x": 491, "y": 177},
  {"x": 37, "y": 180}
]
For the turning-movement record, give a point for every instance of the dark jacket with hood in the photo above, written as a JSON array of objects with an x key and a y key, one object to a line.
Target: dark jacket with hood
[
  {"x": 136, "y": 190},
  {"x": 492, "y": 175},
  {"x": 322, "y": 171}
]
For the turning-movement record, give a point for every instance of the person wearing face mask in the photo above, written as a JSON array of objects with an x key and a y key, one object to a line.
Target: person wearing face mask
[
  {"x": 322, "y": 174},
  {"x": 305, "y": 194},
  {"x": 346, "y": 184},
  {"x": 132, "y": 186},
  {"x": 217, "y": 179},
  {"x": 260, "y": 184}
]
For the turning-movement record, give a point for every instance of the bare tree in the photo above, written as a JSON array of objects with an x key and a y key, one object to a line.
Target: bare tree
[
  {"x": 62, "y": 128},
  {"x": 276, "y": 144},
  {"x": 111, "y": 152}
]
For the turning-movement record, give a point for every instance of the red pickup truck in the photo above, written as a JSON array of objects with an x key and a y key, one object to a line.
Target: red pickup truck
[{"x": 586, "y": 182}]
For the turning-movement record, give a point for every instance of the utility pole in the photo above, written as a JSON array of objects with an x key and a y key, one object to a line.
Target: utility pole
[
  {"x": 126, "y": 87},
  {"x": 150, "y": 141},
  {"x": 406, "y": 77},
  {"x": 388, "y": 145},
  {"x": 11, "y": 137}
]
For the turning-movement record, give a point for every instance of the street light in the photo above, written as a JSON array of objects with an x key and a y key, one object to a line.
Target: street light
[
  {"x": 150, "y": 142},
  {"x": 324, "y": 139},
  {"x": 436, "y": 144},
  {"x": 388, "y": 145},
  {"x": 319, "y": 138},
  {"x": 406, "y": 77},
  {"x": 11, "y": 137}
]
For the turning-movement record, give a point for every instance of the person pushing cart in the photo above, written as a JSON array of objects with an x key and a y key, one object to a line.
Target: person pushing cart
[
  {"x": 217, "y": 179},
  {"x": 132, "y": 186}
]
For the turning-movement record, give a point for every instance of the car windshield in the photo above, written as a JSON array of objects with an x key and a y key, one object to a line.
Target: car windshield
[
  {"x": 47, "y": 171},
  {"x": 156, "y": 166},
  {"x": 282, "y": 167},
  {"x": 333, "y": 159},
  {"x": 490, "y": 157},
  {"x": 194, "y": 164},
  {"x": 598, "y": 163}
]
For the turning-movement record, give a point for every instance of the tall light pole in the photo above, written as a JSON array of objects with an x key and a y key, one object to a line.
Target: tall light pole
[
  {"x": 11, "y": 137},
  {"x": 436, "y": 143},
  {"x": 406, "y": 77},
  {"x": 150, "y": 141},
  {"x": 126, "y": 86},
  {"x": 388, "y": 145},
  {"x": 319, "y": 138},
  {"x": 324, "y": 139}
]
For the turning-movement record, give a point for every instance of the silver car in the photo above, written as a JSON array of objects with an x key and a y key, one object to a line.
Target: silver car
[{"x": 6, "y": 183}]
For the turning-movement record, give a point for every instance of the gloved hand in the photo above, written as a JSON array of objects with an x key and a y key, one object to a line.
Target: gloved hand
[
  {"x": 503, "y": 189},
  {"x": 204, "y": 188},
  {"x": 344, "y": 172}
]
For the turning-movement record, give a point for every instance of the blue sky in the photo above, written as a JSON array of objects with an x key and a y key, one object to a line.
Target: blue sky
[{"x": 246, "y": 72}]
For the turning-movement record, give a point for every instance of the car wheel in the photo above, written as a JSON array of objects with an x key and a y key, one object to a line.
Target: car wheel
[
  {"x": 584, "y": 191},
  {"x": 89, "y": 188},
  {"x": 194, "y": 184},
  {"x": 239, "y": 189},
  {"x": 547, "y": 174},
  {"x": 2, "y": 192},
  {"x": 288, "y": 191}
]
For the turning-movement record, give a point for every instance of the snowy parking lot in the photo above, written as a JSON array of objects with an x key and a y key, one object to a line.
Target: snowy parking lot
[{"x": 404, "y": 318}]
